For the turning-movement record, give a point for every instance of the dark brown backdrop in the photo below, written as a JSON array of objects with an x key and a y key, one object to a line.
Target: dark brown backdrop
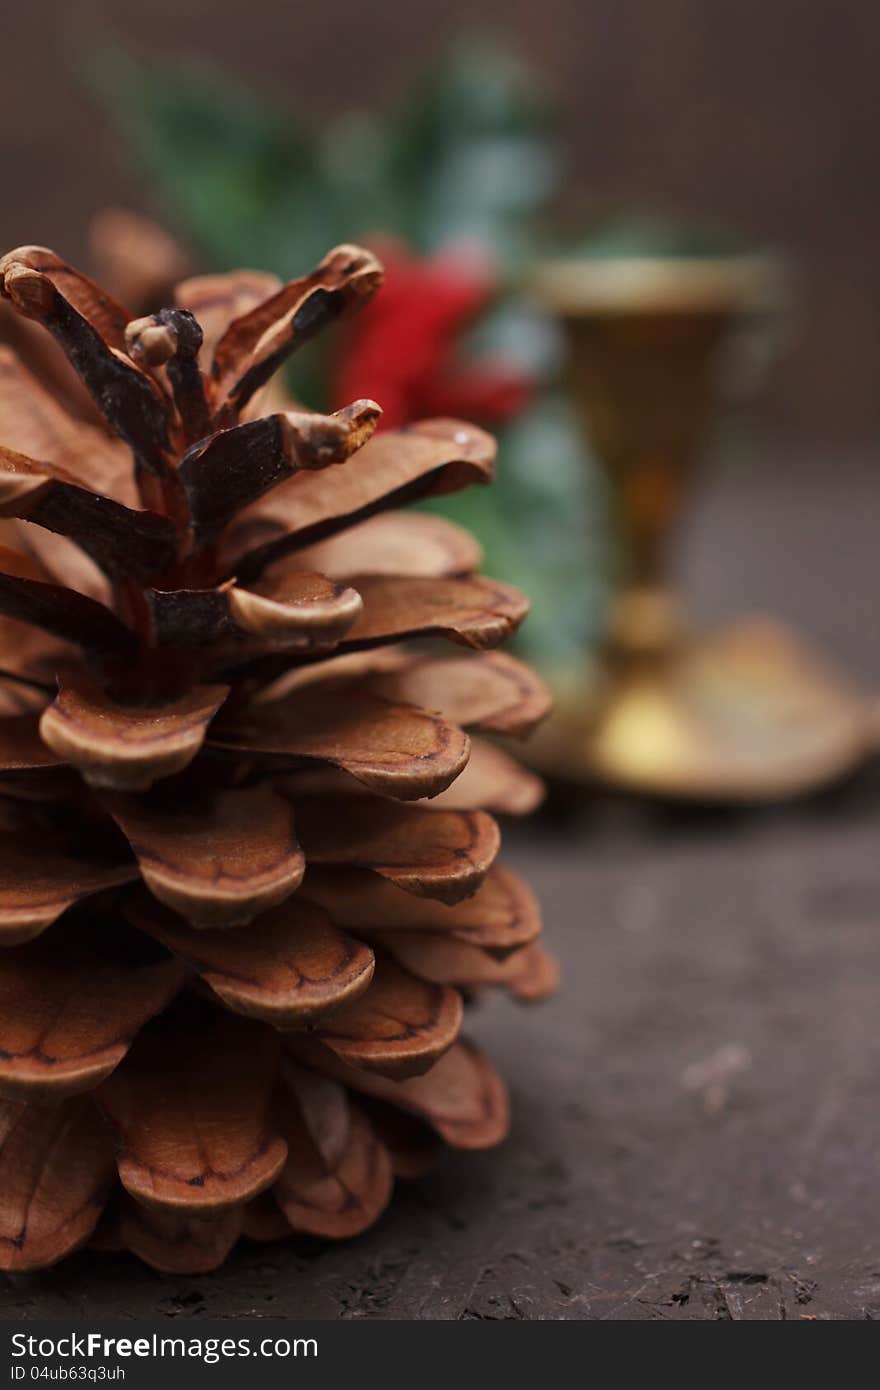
[{"x": 760, "y": 111}]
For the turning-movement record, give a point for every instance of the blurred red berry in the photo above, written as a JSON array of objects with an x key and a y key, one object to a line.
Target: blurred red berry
[{"x": 405, "y": 349}]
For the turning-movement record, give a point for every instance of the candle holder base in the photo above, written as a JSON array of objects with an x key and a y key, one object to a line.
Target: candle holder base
[{"x": 751, "y": 713}]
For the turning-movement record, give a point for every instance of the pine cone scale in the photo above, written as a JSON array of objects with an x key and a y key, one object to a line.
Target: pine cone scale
[
  {"x": 218, "y": 858},
  {"x": 292, "y": 966},
  {"x": 127, "y": 748}
]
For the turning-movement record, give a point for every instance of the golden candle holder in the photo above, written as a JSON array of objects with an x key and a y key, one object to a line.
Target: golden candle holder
[{"x": 745, "y": 714}]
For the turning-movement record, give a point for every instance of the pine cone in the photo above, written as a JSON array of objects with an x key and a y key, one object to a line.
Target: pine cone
[{"x": 247, "y": 868}]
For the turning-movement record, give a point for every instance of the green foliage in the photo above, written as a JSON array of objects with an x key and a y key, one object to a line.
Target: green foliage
[
  {"x": 469, "y": 152},
  {"x": 544, "y": 526},
  {"x": 230, "y": 171},
  {"x": 475, "y": 147}
]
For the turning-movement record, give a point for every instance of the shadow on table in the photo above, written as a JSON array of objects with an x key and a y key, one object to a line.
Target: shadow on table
[{"x": 571, "y": 812}]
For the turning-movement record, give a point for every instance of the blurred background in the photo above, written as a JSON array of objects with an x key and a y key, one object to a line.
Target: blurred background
[{"x": 754, "y": 113}]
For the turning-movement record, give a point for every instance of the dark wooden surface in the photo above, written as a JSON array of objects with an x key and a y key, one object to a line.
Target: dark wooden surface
[{"x": 697, "y": 1116}]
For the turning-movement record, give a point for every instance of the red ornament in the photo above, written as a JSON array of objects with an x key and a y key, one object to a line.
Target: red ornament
[{"x": 404, "y": 349}]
